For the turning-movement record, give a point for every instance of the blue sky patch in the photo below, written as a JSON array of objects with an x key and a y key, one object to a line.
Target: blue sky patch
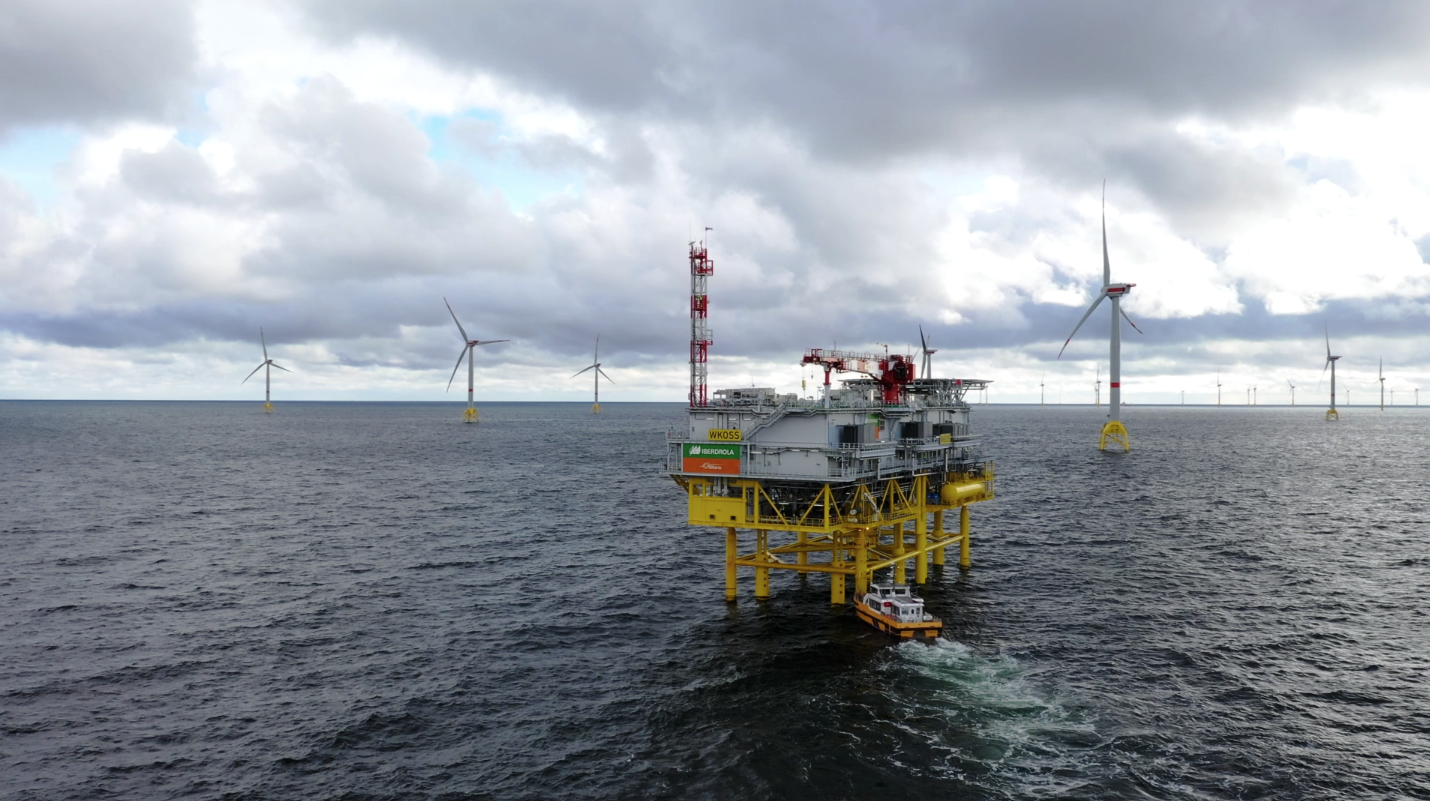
[
  {"x": 500, "y": 166},
  {"x": 29, "y": 157}
]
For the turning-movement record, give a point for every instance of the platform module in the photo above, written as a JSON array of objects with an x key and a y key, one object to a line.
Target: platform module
[{"x": 859, "y": 480}]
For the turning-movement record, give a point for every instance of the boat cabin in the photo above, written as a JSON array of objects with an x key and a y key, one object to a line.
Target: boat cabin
[{"x": 896, "y": 602}]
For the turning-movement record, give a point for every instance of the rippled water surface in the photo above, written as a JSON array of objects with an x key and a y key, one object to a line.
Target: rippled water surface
[{"x": 375, "y": 601}]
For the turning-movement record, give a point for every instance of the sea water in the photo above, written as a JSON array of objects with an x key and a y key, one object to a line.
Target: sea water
[{"x": 376, "y": 601}]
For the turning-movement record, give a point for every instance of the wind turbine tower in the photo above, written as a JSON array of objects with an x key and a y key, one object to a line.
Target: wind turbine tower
[
  {"x": 1331, "y": 413},
  {"x": 469, "y": 349},
  {"x": 267, "y": 382},
  {"x": 1218, "y": 387},
  {"x": 1113, "y": 429},
  {"x": 1293, "y": 391},
  {"x": 1097, "y": 388},
  {"x": 1380, "y": 375},
  {"x": 1042, "y": 392},
  {"x": 596, "y": 366}
]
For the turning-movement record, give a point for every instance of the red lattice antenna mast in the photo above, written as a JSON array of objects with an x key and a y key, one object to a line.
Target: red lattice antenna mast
[{"x": 700, "y": 269}]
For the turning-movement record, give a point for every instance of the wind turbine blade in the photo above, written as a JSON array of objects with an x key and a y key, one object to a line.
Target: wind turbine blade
[
  {"x": 1085, "y": 315},
  {"x": 264, "y": 342},
  {"x": 280, "y": 367},
  {"x": 1129, "y": 320},
  {"x": 1106, "y": 263},
  {"x": 573, "y": 375},
  {"x": 1328, "y": 347},
  {"x": 923, "y": 341},
  {"x": 489, "y": 341},
  {"x": 465, "y": 348},
  {"x": 459, "y": 325},
  {"x": 255, "y": 371},
  {"x": 597, "y": 360},
  {"x": 603, "y": 374}
]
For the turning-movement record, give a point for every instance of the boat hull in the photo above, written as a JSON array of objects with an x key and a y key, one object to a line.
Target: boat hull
[{"x": 928, "y": 629}]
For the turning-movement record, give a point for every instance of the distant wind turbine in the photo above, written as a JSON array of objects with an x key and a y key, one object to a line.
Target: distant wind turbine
[
  {"x": 1332, "y": 414},
  {"x": 1097, "y": 388},
  {"x": 267, "y": 383},
  {"x": 926, "y": 355},
  {"x": 1218, "y": 387},
  {"x": 1293, "y": 391},
  {"x": 596, "y": 365},
  {"x": 1042, "y": 391},
  {"x": 469, "y": 348},
  {"x": 1380, "y": 374},
  {"x": 1113, "y": 429}
]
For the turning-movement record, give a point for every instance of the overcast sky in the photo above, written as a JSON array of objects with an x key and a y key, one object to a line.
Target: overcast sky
[{"x": 174, "y": 176}]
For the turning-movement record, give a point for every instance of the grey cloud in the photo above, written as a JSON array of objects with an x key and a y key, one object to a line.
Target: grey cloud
[
  {"x": 88, "y": 61},
  {"x": 602, "y": 53},
  {"x": 1075, "y": 92},
  {"x": 375, "y": 150},
  {"x": 174, "y": 174},
  {"x": 894, "y": 77}
]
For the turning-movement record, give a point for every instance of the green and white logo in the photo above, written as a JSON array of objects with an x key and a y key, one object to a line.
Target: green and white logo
[{"x": 708, "y": 451}]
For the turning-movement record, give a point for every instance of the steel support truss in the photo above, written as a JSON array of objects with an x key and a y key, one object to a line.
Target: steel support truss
[{"x": 845, "y": 531}]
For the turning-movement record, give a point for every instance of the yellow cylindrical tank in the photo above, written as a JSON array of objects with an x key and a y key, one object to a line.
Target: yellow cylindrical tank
[{"x": 958, "y": 493}]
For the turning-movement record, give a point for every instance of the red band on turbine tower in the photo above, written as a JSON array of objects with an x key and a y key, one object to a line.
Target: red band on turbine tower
[{"x": 1117, "y": 385}]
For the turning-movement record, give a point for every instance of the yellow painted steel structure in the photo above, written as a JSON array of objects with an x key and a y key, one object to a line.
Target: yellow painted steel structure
[
  {"x": 267, "y": 408},
  {"x": 1115, "y": 431},
  {"x": 848, "y": 531},
  {"x": 471, "y": 415}
]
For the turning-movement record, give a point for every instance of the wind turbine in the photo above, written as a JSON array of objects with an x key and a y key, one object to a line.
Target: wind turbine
[
  {"x": 1113, "y": 429},
  {"x": 469, "y": 348},
  {"x": 267, "y": 383},
  {"x": 1293, "y": 391},
  {"x": 1253, "y": 394},
  {"x": 1097, "y": 388},
  {"x": 1380, "y": 373},
  {"x": 1331, "y": 413},
  {"x": 1042, "y": 393},
  {"x": 1218, "y": 387},
  {"x": 596, "y": 365},
  {"x": 926, "y": 355}
]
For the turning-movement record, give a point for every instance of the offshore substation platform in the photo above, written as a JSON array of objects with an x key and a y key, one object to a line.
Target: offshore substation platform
[{"x": 860, "y": 480}]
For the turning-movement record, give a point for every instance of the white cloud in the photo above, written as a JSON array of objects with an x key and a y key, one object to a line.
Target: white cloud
[
  {"x": 307, "y": 194},
  {"x": 1332, "y": 246}
]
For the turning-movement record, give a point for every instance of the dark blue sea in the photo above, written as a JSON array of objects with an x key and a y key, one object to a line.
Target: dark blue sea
[{"x": 374, "y": 601}]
